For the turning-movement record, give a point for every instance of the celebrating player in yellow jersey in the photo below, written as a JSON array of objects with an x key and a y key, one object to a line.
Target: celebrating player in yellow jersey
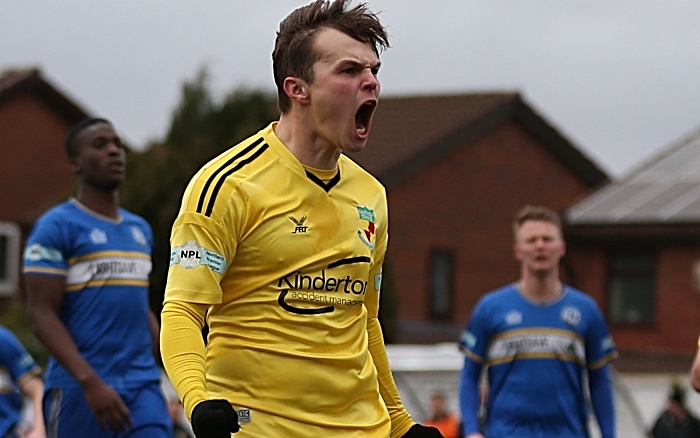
[{"x": 279, "y": 246}]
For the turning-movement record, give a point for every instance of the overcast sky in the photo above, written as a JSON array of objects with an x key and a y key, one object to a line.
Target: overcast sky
[{"x": 620, "y": 79}]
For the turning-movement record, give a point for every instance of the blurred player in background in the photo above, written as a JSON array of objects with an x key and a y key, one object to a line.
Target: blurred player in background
[
  {"x": 446, "y": 421},
  {"x": 538, "y": 337},
  {"x": 279, "y": 244},
  {"x": 20, "y": 378},
  {"x": 676, "y": 421},
  {"x": 86, "y": 268}
]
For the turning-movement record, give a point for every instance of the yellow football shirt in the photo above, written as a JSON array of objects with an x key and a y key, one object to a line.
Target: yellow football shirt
[{"x": 287, "y": 262}]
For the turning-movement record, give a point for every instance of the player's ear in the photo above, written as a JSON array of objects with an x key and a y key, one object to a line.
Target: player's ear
[
  {"x": 75, "y": 165},
  {"x": 297, "y": 90},
  {"x": 516, "y": 252}
]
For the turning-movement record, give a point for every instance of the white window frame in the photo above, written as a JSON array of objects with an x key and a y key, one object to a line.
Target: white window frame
[{"x": 10, "y": 284}]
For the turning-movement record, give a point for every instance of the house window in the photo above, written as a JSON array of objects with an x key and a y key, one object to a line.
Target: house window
[
  {"x": 441, "y": 279},
  {"x": 631, "y": 289},
  {"x": 9, "y": 258}
]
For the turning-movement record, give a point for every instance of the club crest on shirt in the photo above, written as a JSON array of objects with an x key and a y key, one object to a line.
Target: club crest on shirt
[
  {"x": 138, "y": 236},
  {"x": 571, "y": 316},
  {"x": 367, "y": 233},
  {"x": 98, "y": 236},
  {"x": 514, "y": 317}
]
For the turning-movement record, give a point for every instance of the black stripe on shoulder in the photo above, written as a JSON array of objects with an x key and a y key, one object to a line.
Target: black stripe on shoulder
[
  {"x": 213, "y": 176},
  {"x": 237, "y": 167},
  {"x": 350, "y": 261},
  {"x": 325, "y": 186}
]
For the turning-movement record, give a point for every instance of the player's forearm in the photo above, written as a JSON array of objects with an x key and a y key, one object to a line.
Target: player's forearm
[
  {"x": 183, "y": 351},
  {"x": 154, "y": 328},
  {"x": 602, "y": 400},
  {"x": 401, "y": 421},
  {"x": 469, "y": 396},
  {"x": 33, "y": 389},
  {"x": 51, "y": 331}
]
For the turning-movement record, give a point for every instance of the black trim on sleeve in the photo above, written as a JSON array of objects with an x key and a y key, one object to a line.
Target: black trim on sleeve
[{"x": 214, "y": 175}]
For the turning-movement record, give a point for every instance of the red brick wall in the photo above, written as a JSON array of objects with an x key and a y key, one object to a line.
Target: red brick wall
[
  {"x": 677, "y": 306},
  {"x": 34, "y": 170},
  {"x": 465, "y": 203}
]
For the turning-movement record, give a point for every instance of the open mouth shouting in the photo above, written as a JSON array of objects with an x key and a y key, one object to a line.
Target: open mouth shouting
[{"x": 363, "y": 118}]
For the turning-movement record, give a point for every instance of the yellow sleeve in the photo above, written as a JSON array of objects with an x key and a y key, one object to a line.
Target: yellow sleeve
[
  {"x": 183, "y": 350},
  {"x": 401, "y": 421}
]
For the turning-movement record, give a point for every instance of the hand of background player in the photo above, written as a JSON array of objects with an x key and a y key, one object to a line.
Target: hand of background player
[
  {"x": 420, "y": 431},
  {"x": 214, "y": 419},
  {"x": 107, "y": 406}
]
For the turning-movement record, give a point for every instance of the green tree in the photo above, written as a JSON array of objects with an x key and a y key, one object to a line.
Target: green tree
[{"x": 200, "y": 129}]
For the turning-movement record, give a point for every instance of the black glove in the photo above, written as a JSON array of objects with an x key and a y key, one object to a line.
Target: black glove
[
  {"x": 214, "y": 419},
  {"x": 420, "y": 431}
]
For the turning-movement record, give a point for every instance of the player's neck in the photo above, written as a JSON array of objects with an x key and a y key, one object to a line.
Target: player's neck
[
  {"x": 540, "y": 289},
  {"x": 297, "y": 135},
  {"x": 102, "y": 202}
]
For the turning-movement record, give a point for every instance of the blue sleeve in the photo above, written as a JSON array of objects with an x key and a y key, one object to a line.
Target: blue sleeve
[
  {"x": 602, "y": 399},
  {"x": 46, "y": 251},
  {"x": 13, "y": 356},
  {"x": 475, "y": 338},
  {"x": 474, "y": 342},
  {"x": 600, "y": 348},
  {"x": 148, "y": 231},
  {"x": 469, "y": 396}
]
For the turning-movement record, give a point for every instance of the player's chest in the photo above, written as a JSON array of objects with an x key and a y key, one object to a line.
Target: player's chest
[
  {"x": 312, "y": 226},
  {"x": 91, "y": 238},
  {"x": 565, "y": 317}
]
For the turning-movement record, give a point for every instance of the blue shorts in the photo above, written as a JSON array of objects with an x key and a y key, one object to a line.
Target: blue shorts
[{"x": 67, "y": 414}]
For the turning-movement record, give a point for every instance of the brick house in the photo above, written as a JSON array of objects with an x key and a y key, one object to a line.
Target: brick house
[
  {"x": 635, "y": 246},
  {"x": 34, "y": 120},
  {"x": 456, "y": 169}
]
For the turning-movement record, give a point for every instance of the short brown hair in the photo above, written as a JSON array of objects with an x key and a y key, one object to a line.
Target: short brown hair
[
  {"x": 294, "y": 55},
  {"x": 535, "y": 213}
]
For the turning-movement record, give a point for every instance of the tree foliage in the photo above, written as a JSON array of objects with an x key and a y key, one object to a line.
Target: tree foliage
[{"x": 200, "y": 129}]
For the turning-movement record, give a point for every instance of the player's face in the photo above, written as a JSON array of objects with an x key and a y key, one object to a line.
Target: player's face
[
  {"x": 345, "y": 90},
  {"x": 539, "y": 246},
  {"x": 101, "y": 161}
]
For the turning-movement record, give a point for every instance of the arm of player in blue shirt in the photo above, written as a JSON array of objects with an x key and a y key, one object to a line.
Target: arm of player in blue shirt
[
  {"x": 469, "y": 396},
  {"x": 602, "y": 399}
]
